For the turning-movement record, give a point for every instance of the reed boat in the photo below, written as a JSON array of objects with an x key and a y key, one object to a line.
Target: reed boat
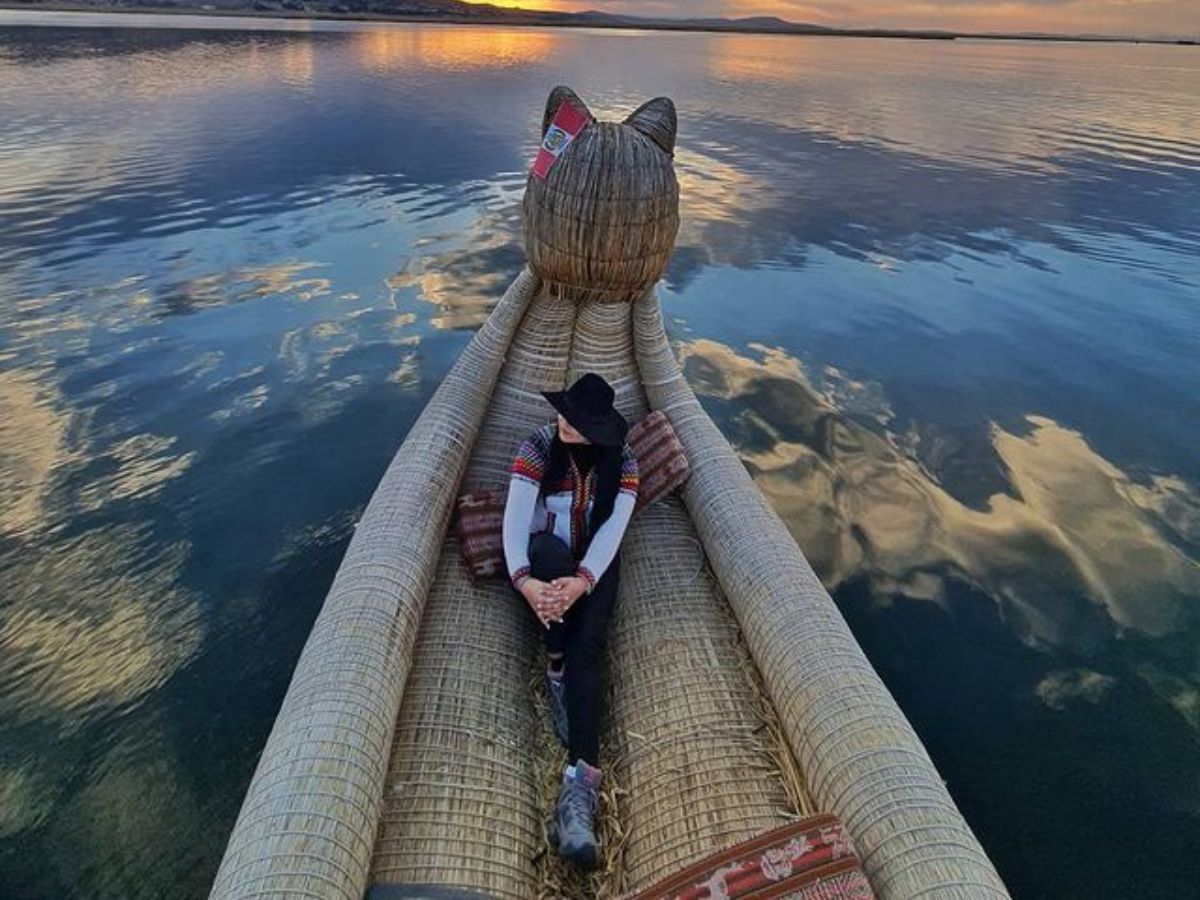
[{"x": 413, "y": 747}]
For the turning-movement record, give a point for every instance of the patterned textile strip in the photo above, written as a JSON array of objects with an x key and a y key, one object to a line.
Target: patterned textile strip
[
  {"x": 841, "y": 880},
  {"x": 812, "y": 859},
  {"x": 680, "y": 880}
]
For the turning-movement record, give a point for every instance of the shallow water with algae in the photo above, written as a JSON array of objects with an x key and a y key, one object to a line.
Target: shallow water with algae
[{"x": 943, "y": 298}]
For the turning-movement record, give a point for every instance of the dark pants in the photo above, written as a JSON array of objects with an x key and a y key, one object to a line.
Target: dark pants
[{"x": 580, "y": 637}]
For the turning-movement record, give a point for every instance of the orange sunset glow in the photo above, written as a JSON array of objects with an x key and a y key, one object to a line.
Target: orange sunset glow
[
  {"x": 1144, "y": 18},
  {"x": 536, "y": 4},
  {"x": 464, "y": 49}
]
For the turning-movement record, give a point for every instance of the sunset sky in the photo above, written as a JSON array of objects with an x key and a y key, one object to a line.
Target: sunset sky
[{"x": 1132, "y": 17}]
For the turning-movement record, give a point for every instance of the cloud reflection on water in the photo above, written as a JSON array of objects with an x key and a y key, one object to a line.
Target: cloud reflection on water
[
  {"x": 463, "y": 283},
  {"x": 94, "y": 618},
  {"x": 242, "y": 284},
  {"x": 793, "y": 189},
  {"x": 32, "y": 445},
  {"x": 96, "y": 624},
  {"x": 1073, "y": 538},
  {"x": 464, "y": 273}
]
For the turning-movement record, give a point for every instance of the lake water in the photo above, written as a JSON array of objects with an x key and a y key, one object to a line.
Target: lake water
[{"x": 944, "y": 298}]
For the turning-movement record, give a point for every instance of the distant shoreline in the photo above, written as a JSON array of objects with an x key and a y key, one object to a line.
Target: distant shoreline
[{"x": 518, "y": 20}]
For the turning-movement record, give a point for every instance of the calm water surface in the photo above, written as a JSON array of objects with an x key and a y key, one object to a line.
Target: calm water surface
[{"x": 942, "y": 297}]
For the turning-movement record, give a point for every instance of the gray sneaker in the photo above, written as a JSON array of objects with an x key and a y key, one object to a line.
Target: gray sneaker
[
  {"x": 556, "y": 688},
  {"x": 573, "y": 827}
]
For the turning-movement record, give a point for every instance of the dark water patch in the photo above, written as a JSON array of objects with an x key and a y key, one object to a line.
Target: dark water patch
[{"x": 981, "y": 700}]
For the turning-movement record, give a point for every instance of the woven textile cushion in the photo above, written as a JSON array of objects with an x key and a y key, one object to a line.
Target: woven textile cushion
[
  {"x": 811, "y": 859},
  {"x": 481, "y": 534},
  {"x": 662, "y": 464},
  {"x": 662, "y": 467}
]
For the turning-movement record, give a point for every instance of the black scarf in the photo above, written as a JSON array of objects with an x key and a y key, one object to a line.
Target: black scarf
[{"x": 607, "y": 461}]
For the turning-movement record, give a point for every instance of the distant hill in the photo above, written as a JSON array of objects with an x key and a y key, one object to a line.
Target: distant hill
[{"x": 748, "y": 23}]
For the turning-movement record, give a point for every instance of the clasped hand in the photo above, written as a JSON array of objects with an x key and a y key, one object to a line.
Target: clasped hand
[{"x": 551, "y": 600}]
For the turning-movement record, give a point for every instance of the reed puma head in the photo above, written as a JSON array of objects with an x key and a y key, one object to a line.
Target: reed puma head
[{"x": 601, "y": 205}]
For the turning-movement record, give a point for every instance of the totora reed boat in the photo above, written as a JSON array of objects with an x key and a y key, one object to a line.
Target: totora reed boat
[{"x": 413, "y": 746}]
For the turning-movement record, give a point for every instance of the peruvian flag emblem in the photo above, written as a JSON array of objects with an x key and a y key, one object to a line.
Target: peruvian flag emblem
[{"x": 566, "y": 125}]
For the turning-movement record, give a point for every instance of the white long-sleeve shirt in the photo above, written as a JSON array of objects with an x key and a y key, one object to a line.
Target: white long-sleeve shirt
[{"x": 563, "y": 512}]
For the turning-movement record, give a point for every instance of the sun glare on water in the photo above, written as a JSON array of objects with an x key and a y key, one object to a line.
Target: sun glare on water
[{"x": 530, "y": 4}]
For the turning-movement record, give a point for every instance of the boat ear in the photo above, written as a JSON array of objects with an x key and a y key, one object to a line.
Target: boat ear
[
  {"x": 657, "y": 120},
  {"x": 555, "y": 100}
]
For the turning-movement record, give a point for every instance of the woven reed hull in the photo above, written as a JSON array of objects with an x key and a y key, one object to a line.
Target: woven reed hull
[{"x": 410, "y": 747}]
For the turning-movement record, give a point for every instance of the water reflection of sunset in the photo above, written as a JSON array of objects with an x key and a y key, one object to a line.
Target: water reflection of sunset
[
  {"x": 434, "y": 47},
  {"x": 854, "y": 89},
  {"x": 750, "y": 58},
  {"x": 527, "y": 4},
  {"x": 209, "y": 63},
  {"x": 714, "y": 191}
]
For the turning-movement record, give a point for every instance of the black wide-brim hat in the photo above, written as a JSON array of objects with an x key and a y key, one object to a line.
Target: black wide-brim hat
[{"x": 588, "y": 406}]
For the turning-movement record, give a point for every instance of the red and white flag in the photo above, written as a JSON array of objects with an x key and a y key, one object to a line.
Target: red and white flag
[{"x": 566, "y": 125}]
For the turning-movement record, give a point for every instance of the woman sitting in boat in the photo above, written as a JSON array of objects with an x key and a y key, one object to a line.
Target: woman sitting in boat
[{"x": 571, "y": 494}]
